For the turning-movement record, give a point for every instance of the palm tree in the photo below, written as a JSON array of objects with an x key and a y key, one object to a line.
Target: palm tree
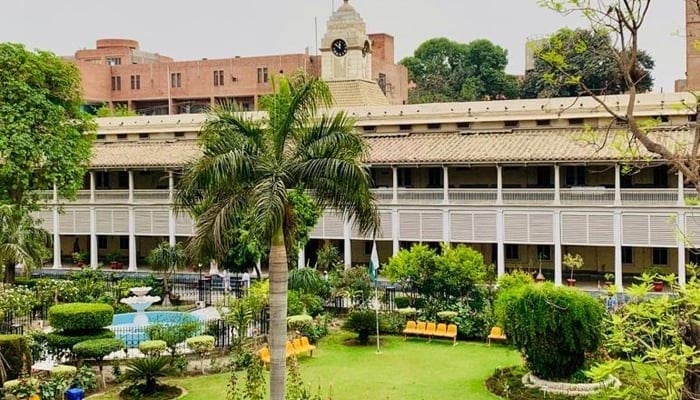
[
  {"x": 248, "y": 167},
  {"x": 22, "y": 241},
  {"x": 167, "y": 259}
]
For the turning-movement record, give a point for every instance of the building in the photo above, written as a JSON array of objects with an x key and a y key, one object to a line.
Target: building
[
  {"x": 692, "y": 50},
  {"x": 519, "y": 180},
  {"x": 118, "y": 73}
]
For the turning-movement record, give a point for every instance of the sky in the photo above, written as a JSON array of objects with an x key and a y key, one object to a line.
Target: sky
[{"x": 189, "y": 30}]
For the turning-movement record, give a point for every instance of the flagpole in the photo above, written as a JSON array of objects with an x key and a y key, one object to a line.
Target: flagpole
[{"x": 374, "y": 266}]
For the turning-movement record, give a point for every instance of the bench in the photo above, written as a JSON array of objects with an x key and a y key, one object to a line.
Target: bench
[
  {"x": 496, "y": 334},
  {"x": 293, "y": 348},
  {"x": 431, "y": 330}
]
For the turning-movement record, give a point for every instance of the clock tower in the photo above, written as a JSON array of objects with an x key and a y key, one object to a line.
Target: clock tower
[{"x": 346, "y": 51}]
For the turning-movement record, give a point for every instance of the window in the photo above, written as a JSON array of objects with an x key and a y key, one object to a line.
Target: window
[
  {"x": 463, "y": 125},
  {"x": 405, "y": 128},
  {"x": 659, "y": 256},
  {"x": 263, "y": 75},
  {"x": 382, "y": 82},
  {"x": 101, "y": 180},
  {"x": 660, "y": 177},
  {"x": 692, "y": 118},
  {"x": 114, "y": 60},
  {"x": 144, "y": 136},
  {"x": 434, "y": 126},
  {"x": 663, "y": 119},
  {"x": 219, "y": 78},
  {"x": 370, "y": 128},
  {"x": 544, "y": 177},
  {"x": 102, "y": 242},
  {"x": 368, "y": 247},
  {"x": 512, "y": 252},
  {"x": 176, "y": 80},
  {"x": 135, "y": 82},
  {"x": 121, "y": 136},
  {"x": 575, "y": 121},
  {"x": 627, "y": 255},
  {"x": 693, "y": 256},
  {"x": 544, "y": 253},
  {"x": 404, "y": 175},
  {"x": 576, "y": 175},
  {"x": 123, "y": 242},
  {"x": 544, "y": 122},
  {"x": 434, "y": 177},
  {"x": 179, "y": 134},
  {"x": 100, "y": 137},
  {"x": 116, "y": 83},
  {"x": 123, "y": 179},
  {"x": 511, "y": 124}
]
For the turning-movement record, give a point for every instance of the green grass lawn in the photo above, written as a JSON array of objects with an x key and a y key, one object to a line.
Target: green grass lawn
[{"x": 412, "y": 369}]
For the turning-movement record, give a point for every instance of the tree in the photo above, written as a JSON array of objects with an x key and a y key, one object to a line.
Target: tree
[
  {"x": 45, "y": 137},
  {"x": 21, "y": 241},
  {"x": 249, "y": 166},
  {"x": 623, "y": 21},
  {"x": 587, "y": 54},
  {"x": 167, "y": 259},
  {"x": 444, "y": 71}
]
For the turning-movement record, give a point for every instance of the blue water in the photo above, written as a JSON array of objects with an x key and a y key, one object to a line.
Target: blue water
[{"x": 122, "y": 325}]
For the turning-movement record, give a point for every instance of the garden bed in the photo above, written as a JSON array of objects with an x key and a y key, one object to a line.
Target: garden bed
[{"x": 507, "y": 383}]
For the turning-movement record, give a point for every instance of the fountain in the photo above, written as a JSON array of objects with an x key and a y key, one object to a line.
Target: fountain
[{"x": 140, "y": 302}]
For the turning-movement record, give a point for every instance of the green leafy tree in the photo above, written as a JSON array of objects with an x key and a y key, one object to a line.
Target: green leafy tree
[
  {"x": 22, "y": 241},
  {"x": 623, "y": 21},
  {"x": 249, "y": 166},
  {"x": 167, "y": 259},
  {"x": 586, "y": 54},
  {"x": 444, "y": 71}
]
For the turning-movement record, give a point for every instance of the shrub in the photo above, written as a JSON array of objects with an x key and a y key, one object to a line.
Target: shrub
[
  {"x": 294, "y": 304},
  {"x": 172, "y": 335},
  {"x": 297, "y": 322},
  {"x": 402, "y": 301},
  {"x": 313, "y": 304},
  {"x": 60, "y": 343},
  {"x": 362, "y": 322},
  {"x": 147, "y": 370},
  {"x": 308, "y": 281},
  {"x": 15, "y": 350},
  {"x": 553, "y": 327},
  {"x": 392, "y": 322},
  {"x": 74, "y": 317},
  {"x": 514, "y": 279},
  {"x": 152, "y": 347},
  {"x": 305, "y": 325},
  {"x": 447, "y": 316},
  {"x": 64, "y": 371},
  {"x": 84, "y": 379},
  {"x": 201, "y": 345},
  {"x": 97, "y": 349}
]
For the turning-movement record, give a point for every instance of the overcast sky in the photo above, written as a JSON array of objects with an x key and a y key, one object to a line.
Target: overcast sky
[{"x": 224, "y": 28}]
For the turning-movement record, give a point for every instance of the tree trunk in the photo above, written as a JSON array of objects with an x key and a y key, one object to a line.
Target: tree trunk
[
  {"x": 10, "y": 272},
  {"x": 691, "y": 379},
  {"x": 278, "y": 315}
]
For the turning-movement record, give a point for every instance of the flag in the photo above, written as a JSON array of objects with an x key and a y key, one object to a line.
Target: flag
[{"x": 374, "y": 263}]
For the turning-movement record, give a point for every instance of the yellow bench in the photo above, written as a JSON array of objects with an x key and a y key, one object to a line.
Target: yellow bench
[
  {"x": 496, "y": 334},
  {"x": 292, "y": 347},
  {"x": 431, "y": 330}
]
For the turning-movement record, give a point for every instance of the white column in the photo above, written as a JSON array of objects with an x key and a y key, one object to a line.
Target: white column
[
  {"x": 445, "y": 185},
  {"x": 56, "y": 231},
  {"x": 446, "y": 226},
  {"x": 395, "y": 184},
  {"x": 681, "y": 248},
  {"x": 301, "y": 259},
  {"x": 213, "y": 267},
  {"x": 132, "y": 225},
  {"x": 557, "y": 185},
  {"x": 395, "y": 231},
  {"x": 171, "y": 211},
  {"x": 617, "y": 233},
  {"x": 347, "y": 243},
  {"x": 556, "y": 230},
  {"x": 681, "y": 190},
  {"x": 93, "y": 223},
  {"x": 500, "y": 247},
  {"x": 618, "y": 193},
  {"x": 499, "y": 185}
]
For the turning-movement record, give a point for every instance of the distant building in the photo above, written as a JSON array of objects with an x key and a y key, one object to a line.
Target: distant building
[
  {"x": 692, "y": 49},
  {"x": 117, "y": 72}
]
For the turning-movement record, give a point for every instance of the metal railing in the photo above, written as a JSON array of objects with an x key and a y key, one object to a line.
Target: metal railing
[
  {"x": 528, "y": 196},
  {"x": 421, "y": 196},
  {"x": 473, "y": 196},
  {"x": 587, "y": 195},
  {"x": 649, "y": 196}
]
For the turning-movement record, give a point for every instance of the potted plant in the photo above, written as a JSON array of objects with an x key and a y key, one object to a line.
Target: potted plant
[
  {"x": 609, "y": 279},
  {"x": 79, "y": 258},
  {"x": 658, "y": 282},
  {"x": 572, "y": 261},
  {"x": 113, "y": 259}
]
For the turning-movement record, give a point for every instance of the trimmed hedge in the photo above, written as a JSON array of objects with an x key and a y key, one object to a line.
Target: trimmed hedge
[
  {"x": 201, "y": 344},
  {"x": 152, "y": 347},
  {"x": 553, "y": 327},
  {"x": 97, "y": 348},
  {"x": 65, "y": 341},
  {"x": 14, "y": 348},
  {"x": 73, "y": 317},
  {"x": 63, "y": 371}
]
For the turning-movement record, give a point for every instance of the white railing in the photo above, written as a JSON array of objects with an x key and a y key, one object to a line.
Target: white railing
[
  {"x": 421, "y": 196},
  {"x": 152, "y": 196},
  {"x": 649, "y": 196},
  {"x": 528, "y": 196},
  {"x": 383, "y": 195},
  {"x": 111, "y": 196},
  {"x": 473, "y": 196},
  {"x": 587, "y": 195}
]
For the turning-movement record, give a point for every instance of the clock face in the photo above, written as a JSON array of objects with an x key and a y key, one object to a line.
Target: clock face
[{"x": 339, "y": 47}]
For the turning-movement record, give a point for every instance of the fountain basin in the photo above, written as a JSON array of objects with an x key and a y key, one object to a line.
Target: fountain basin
[{"x": 126, "y": 328}]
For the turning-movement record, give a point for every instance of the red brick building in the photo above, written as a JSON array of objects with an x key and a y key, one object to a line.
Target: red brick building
[{"x": 118, "y": 72}]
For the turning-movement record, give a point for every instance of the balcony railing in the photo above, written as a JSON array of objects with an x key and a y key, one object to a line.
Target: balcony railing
[
  {"x": 587, "y": 195},
  {"x": 473, "y": 196}
]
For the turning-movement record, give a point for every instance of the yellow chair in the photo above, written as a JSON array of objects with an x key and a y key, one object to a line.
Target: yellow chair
[
  {"x": 496, "y": 334},
  {"x": 420, "y": 328},
  {"x": 410, "y": 328},
  {"x": 441, "y": 330},
  {"x": 289, "y": 350},
  {"x": 307, "y": 346},
  {"x": 298, "y": 347},
  {"x": 452, "y": 333},
  {"x": 430, "y": 330},
  {"x": 264, "y": 354}
]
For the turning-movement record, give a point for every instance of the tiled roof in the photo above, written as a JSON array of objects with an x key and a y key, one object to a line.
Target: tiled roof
[
  {"x": 356, "y": 93},
  {"x": 544, "y": 145},
  {"x": 144, "y": 154}
]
